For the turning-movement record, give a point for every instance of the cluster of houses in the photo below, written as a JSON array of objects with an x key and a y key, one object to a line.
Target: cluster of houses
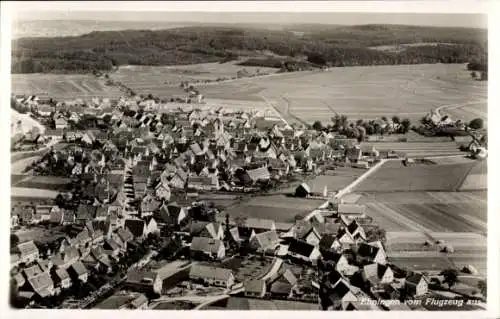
[{"x": 131, "y": 163}]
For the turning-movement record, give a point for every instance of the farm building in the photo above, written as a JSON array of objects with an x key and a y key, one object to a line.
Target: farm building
[
  {"x": 352, "y": 210},
  {"x": 207, "y": 247},
  {"x": 215, "y": 276}
]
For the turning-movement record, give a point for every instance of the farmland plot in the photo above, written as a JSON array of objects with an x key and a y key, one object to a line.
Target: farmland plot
[
  {"x": 394, "y": 177},
  {"x": 427, "y": 211},
  {"x": 63, "y": 86},
  {"x": 417, "y": 149},
  {"x": 365, "y": 92},
  {"x": 277, "y": 207}
]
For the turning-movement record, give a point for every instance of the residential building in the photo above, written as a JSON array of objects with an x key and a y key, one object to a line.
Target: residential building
[
  {"x": 265, "y": 242},
  {"x": 416, "y": 285},
  {"x": 79, "y": 271},
  {"x": 255, "y": 288},
  {"x": 28, "y": 252},
  {"x": 202, "y": 247},
  {"x": 367, "y": 254},
  {"x": 378, "y": 274},
  {"x": 215, "y": 276},
  {"x": 303, "y": 251}
]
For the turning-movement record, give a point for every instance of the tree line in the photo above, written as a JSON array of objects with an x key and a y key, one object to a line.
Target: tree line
[{"x": 108, "y": 49}]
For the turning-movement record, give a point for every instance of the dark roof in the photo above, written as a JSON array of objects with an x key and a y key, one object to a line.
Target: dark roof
[
  {"x": 86, "y": 211},
  {"x": 366, "y": 250},
  {"x": 327, "y": 241},
  {"x": 415, "y": 279},
  {"x": 135, "y": 226},
  {"x": 79, "y": 268},
  {"x": 300, "y": 247}
]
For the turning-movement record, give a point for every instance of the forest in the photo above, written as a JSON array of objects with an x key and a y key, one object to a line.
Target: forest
[{"x": 319, "y": 46}]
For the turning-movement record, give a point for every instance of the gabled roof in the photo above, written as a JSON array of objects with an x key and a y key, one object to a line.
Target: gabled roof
[
  {"x": 255, "y": 286},
  {"x": 415, "y": 279},
  {"x": 27, "y": 248},
  {"x": 375, "y": 270},
  {"x": 33, "y": 271},
  {"x": 208, "y": 245},
  {"x": 301, "y": 248},
  {"x": 202, "y": 271},
  {"x": 267, "y": 239},
  {"x": 79, "y": 268},
  {"x": 135, "y": 226},
  {"x": 125, "y": 235},
  {"x": 85, "y": 211},
  {"x": 261, "y": 173},
  {"x": 257, "y": 223},
  {"x": 366, "y": 250}
]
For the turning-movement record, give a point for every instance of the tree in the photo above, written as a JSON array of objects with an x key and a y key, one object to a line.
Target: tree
[
  {"x": 473, "y": 74},
  {"x": 481, "y": 284},
  {"x": 476, "y": 124},
  {"x": 450, "y": 276},
  {"x": 405, "y": 124},
  {"x": 317, "y": 126},
  {"x": 14, "y": 240},
  {"x": 343, "y": 121},
  {"x": 336, "y": 122},
  {"x": 484, "y": 76},
  {"x": 384, "y": 118},
  {"x": 396, "y": 120}
]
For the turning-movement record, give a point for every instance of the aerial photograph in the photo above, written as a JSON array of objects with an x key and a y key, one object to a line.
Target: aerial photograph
[{"x": 321, "y": 161}]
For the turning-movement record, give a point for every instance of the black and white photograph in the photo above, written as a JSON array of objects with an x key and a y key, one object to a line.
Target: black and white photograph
[{"x": 199, "y": 159}]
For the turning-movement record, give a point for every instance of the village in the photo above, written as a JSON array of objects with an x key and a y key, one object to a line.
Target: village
[{"x": 133, "y": 226}]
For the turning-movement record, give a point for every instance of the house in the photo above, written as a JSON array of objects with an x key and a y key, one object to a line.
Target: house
[
  {"x": 42, "y": 284},
  {"x": 356, "y": 231},
  {"x": 259, "y": 174},
  {"x": 337, "y": 295},
  {"x": 79, "y": 271},
  {"x": 378, "y": 274},
  {"x": 141, "y": 228},
  {"x": 28, "y": 252},
  {"x": 354, "y": 153},
  {"x": 124, "y": 300},
  {"x": 162, "y": 191},
  {"x": 255, "y": 288},
  {"x": 338, "y": 261},
  {"x": 61, "y": 278},
  {"x": 57, "y": 216},
  {"x": 112, "y": 247},
  {"x": 203, "y": 183},
  {"x": 352, "y": 210},
  {"x": 206, "y": 229},
  {"x": 258, "y": 225},
  {"x": 215, "y": 276},
  {"x": 303, "y": 251},
  {"x": 61, "y": 123},
  {"x": 207, "y": 247},
  {"x": 66, "y": 258},
  {"x": 179, "y": 180},
  {"x": 85, "y": 213},
  {"x": 149, "y": 205},
  {"x": 284, "y": 284},
  {"x": 367, "y": 254},
  {"x": 305, "y": 231},
  {"x": 416, "y": 285},
  {"x": 172, "y": 214},
  {"x": 265, "y": 242}
]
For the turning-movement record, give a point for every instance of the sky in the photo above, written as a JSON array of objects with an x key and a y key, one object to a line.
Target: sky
[
  {"x": 432, "y": 13},
  {"x": 442, "y": 20}
]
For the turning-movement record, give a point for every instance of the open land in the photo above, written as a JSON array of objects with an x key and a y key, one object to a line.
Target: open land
[
  {"x": 278, "y": 207},
  {"x": 393, "y": 176},
  {"x": 428, "y": 211},
  {"x": 404, "y": 90},
  {"x": 63, "y": 87},
  {"x": 417, "y": 149}
]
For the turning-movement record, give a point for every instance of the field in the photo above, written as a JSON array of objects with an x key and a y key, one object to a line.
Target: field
[
  {"x": 360, "y": 92},
  {"x": 428, "y": 211},
  {"x": 62, "y": 86},
  {"x": 418, "y": 149},
  {"x": 52, "y": 183},
  {"x": 31, "y": 193},
  {"x": 407, "y": 249},
  {"x": 277, "y": 207},
  {"x": 141, "y": 77},
  {"x": 336, "y": 180},
  {"x": 239, "y": 303},
  {"x": 392, "y": 176}
]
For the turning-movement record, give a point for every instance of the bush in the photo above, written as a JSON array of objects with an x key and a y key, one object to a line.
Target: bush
[{"x": 476, "y": 124}]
